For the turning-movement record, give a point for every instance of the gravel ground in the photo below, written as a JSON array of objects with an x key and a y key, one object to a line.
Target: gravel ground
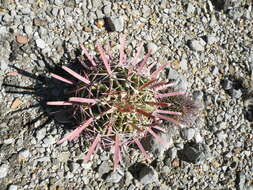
[{"x": 210, "y": 45}]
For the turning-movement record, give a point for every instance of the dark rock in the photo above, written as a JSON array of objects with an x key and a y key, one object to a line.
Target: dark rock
[
  {"x": 235, "y": 93},
  {"x": 218, "y": 4},
  {"x": 148, "y": 175},
  {"x": 227, "y": 84},
  {"x": 194, "y": 153},
  {"x": 233, "y": 86}
]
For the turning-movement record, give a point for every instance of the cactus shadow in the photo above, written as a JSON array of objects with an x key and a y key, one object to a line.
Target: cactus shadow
[{"x": 44, "y": 89}]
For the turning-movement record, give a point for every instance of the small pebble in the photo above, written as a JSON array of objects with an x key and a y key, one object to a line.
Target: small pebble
[
  {"x": 188, "y": 133},
  {"x": 221, "y": 135},
  {"x": 24, "y": 154},
  {"x": 48, "y": 141},
  {"x": 235, "y": 93},
  {"x": 64, "y": 156},
  {"x": 13, "y": 187},
  {"x": 16, "y": 103},
  {"x": 211, "y": 39},
  {"x": 146, "y": 11},
  {"x": 190, "y": 9},
  {"x": 40, "y": 22},
  {"x": 153, "y": 47},
  {"x": 104, "y": 168},
  {"x": 58, "y": 2},
  {"x": 73, "y": 166},
  {"x": 40, "y": 43},
  {"x": 114, "y": 177},
  {"x": 55, "y": 11},
  {"x": 227, "y": 84},
  {"x": 107, "y": 9},
  {"x": 100, "y": 23},
  {"x": 41, "y": 133},
  {"x": 184, "y": 64},
  {"x": 9, "y": 141},
  {"x": 4, "y": 168},
  {"x": 197, "y": 45},
  {"x": 21, "y": 39},
  {"x": 28, "y": 29}
]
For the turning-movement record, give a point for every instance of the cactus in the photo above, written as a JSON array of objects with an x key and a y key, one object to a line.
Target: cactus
[{"x": 118, "y": 103}]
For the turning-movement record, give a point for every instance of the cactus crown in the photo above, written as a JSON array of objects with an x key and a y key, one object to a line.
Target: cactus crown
[{"x": 119, "y": 103}]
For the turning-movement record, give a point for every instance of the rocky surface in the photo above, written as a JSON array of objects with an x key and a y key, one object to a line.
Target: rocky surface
[{"x": 210, "y": 47}]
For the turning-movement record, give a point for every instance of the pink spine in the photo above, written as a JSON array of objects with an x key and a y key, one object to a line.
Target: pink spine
[
  {"x": 59, "y": 103},
  {"x": 83, "y": 100},
  {"x": 156, "y": 72},
  {"x": 90, "y": 58},
  {"x": 135, "y": 60},
  {"x": 168, "y": 112},
  {"x": 141, "y": 148},
  {"x": 122, "y": 55},
  {"x": 92, "y": 148},
  {"x": 104, "y": 59},
  {"x": 169, "y": 94},
  {"x": 74, "y": 74},
  {"x": 168, "y": 119},
  {"x": 156, "y": 136},
  {"x": 76, "y": 133},
  {"x": 117, "y": 155},
  {"x": 162, "y": 85},
  {"x": 61, "y": 78},
  {"x": 144, "y": 62}
]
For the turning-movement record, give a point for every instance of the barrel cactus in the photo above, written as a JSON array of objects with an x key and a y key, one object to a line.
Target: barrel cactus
[{"x": 119, "y": 102}]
